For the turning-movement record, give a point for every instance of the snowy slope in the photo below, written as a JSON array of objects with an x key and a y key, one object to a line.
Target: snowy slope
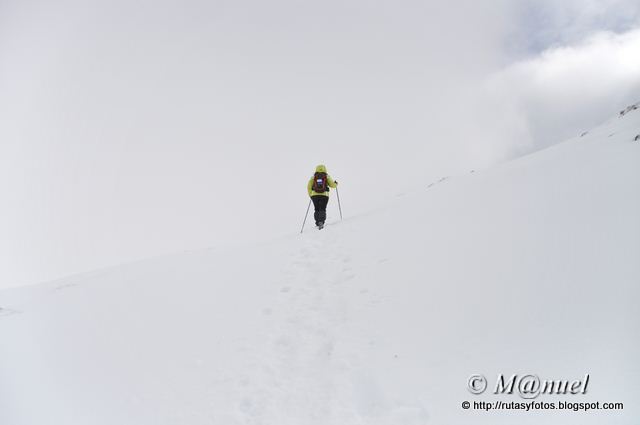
[{"x": 530, "y": 267}]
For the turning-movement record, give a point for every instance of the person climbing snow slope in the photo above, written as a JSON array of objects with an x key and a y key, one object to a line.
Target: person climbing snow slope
[{"x": 318, "y": 189}]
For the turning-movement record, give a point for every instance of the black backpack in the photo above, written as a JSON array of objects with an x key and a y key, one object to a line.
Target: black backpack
[{"x": 320, "y": 183}]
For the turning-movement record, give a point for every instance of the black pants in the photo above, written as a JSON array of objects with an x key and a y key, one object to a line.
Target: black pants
[{"x": 320, "y": 205}]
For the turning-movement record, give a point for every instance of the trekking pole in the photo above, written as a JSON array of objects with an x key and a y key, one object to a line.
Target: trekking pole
[
  {"x": 305, "y": 216},
  {"x": 339, "y": 207}
]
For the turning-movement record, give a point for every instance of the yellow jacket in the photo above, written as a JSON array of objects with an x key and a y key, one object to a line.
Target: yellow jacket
[{"x": 330, "y": 182}]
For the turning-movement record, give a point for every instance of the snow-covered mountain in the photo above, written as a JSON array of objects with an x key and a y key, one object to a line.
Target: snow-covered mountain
[{"x": 531, "y": 267}]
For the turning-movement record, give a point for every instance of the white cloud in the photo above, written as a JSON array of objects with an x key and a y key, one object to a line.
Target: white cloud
[
  {"x": 543, "y": 24},
  {"x": 565, "y": 90}
]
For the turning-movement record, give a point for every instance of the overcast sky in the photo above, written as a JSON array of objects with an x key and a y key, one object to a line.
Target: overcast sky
[{"x": 133, "y": 129}]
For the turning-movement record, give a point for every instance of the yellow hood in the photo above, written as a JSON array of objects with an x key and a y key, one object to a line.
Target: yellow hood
[{"x": 321, "y": 169}]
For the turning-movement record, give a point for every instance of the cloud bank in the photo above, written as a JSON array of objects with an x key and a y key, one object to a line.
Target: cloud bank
[
  {"x": 539, "y": 25},
  {"x": 565, "y": 90}
]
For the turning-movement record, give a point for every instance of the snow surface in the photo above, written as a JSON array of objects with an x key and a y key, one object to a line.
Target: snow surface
[{"x": 529, "y": 267}]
